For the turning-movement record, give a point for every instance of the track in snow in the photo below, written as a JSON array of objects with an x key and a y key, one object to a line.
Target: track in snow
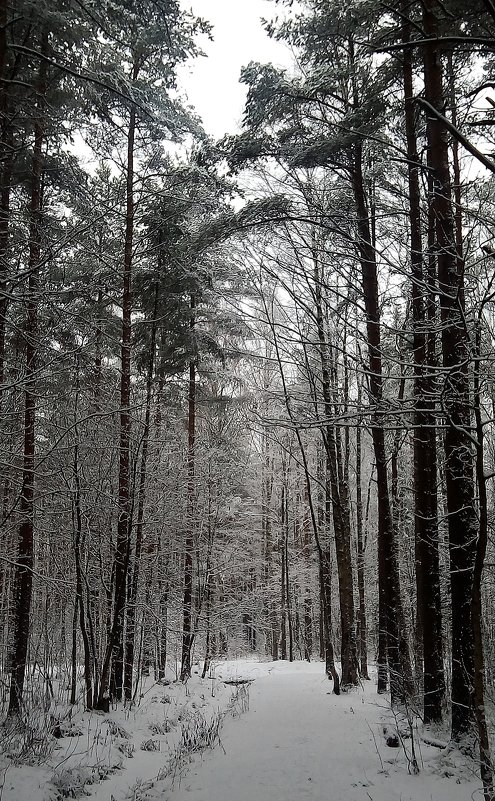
[{"x": 299, "y": 742}]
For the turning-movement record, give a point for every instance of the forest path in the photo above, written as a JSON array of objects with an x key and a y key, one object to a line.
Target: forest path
[{"x": 299, "y": 742}]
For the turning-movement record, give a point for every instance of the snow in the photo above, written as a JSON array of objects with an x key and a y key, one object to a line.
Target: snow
[
  {"x": 107, "y": 756},
  {"x": 296, "y": 742},
  {"x": 299, "y": 741}
]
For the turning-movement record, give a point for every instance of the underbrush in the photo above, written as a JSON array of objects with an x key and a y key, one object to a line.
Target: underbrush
[
  {"x": 199, "y": 732},
  {"x": 55, "y": 751}
]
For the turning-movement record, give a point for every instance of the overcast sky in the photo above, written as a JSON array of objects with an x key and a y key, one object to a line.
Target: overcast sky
[{"x": 212, "y": 83}]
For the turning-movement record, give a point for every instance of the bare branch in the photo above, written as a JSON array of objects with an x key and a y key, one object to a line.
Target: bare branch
[{"x": 455, "y": 132}]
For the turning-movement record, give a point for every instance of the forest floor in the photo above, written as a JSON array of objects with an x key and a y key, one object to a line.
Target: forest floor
[
  {"x": 276, "y": 734},
  {"x": 300, "y": 742}
]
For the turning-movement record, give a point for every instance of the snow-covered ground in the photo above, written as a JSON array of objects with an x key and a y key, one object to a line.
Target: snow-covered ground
[
  {"x": 115, "y": 756},
  {"x": 299, "y": 741},
  {"x": 296, "y": 741}
]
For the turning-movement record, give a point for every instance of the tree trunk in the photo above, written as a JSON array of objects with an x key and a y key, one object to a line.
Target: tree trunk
[
  {"x": 308, "y": 617},
  {"x": 134, "y": 583},
  {"x": 326, "y": 595},
  {"x": 267, "y": 489},
  {"x": 208, "y": 610},
  {"x": 162, "y": 630},
  {"x": 340, "y": 504},
  {"x": 6, "y": 163},
  {"x": 323, "y": 554},
  {"x": 459, "y": 459},
  {"x": 361, "y": 548},
  {"x": 429, "y": 611},
  {"x": 23, "y": 573},
  {"x": 390, "y": 604},
  {"x": 284, "y": 590},
  {"x": 114, "y": 656},
  {"x": 187, "y": 632},
  {"x": 77, "y": 525},
  {"x": 486, "y": 764}
]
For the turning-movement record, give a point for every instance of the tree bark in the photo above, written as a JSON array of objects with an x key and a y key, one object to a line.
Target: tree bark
[
  {"x": 486, "y": 763},
  {"x": 361, "y": 548},
  {"x": 6, "y": 163},
  {"x": 23, "y": 573},
  {"x": 266, "y": 491},
  {"x": 459, "y": 459},
  {"x": 130, "y": 636},
  {"x": 113, "y": 665},
  {"x": 429, "y": 610},
  {"x": 390, "y": 603},
  {"x": 79, "y": 609},
  {"x": 340, "y": 503},
  {"x": 284, "y": 590},
  {"x": 308, "y": 617},
  {"x": 187, "y": 631},
  {"x": 323, "y": 554}
]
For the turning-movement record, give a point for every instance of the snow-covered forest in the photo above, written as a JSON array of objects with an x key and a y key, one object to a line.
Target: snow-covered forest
[{"x": 247, "y": 401}]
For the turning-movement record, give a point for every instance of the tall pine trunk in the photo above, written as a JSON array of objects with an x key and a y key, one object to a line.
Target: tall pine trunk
[
  {"x": 391, "y": 617},
  {"x": 6, "y": 163},
  {"x": 477, "y": 603},
  {"x": 187, "y": 601},
  {"x": 23, "y": 573},
  {"x": 429, "y": 610},
  {"x": 361, "y": 548},
  {"x": 130, "y": 635},
  {"x": 459, "y": 457},
  {"x": 77, "y": 525},
  {"x": 113, "y": 665}
]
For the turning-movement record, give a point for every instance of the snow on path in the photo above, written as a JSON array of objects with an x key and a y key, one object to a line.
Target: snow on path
[{"x": 298, "y": 742}]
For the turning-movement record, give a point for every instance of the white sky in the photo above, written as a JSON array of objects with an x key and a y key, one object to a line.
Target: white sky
[{"x": 212, "y": 84}]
